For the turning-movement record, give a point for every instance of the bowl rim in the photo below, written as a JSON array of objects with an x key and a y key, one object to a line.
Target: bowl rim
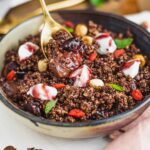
[{"x": 36, "y": 119}]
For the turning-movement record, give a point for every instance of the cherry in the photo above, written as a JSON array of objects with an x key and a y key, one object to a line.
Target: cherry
[
  {"x": 33, "y": 107},
  {"x": 20, "y": 74},
  {"x": 74, "y": 44}
]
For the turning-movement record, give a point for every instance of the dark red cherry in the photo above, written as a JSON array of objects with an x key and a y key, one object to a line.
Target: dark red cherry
[
  {"x": 20, "y": 74},
  {"x": 33, "y": 107},
  {"x": 73, "y": 44}
]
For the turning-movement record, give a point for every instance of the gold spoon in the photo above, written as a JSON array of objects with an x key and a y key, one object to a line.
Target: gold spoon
[
  {"x": 49, "y": 28},
  {"x": 12, "y": 19}
]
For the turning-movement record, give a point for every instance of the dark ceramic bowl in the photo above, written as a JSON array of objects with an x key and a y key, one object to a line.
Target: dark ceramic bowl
[{"x": 81, "y": 129}]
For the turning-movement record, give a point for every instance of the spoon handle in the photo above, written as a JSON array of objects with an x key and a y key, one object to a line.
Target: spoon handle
[{"x": 47, "y": 14}]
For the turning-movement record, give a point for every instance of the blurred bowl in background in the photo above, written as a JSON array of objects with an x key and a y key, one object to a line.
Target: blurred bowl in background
[{"x": 144, "y": 4}]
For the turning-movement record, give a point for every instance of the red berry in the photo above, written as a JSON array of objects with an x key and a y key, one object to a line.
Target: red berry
[
  {"x": 119, "y": 53},
  {"x": 59, "y": 85},
  {"x": 69, "y": 24},
  {"x": 11, "y": 75},
  {"x": 76, "y": 113},
  {"x": 93, "y": 56},
  {"x": 137, "y": 95}
]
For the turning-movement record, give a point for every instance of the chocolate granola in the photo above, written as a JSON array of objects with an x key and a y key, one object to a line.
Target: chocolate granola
[{"x": 86, "y": 76}]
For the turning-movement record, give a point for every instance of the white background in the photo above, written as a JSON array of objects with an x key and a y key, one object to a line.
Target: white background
[{"x": 14, "y": 133}]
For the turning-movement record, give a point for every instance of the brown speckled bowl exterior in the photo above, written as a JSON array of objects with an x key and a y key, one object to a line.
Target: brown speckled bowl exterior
[{"x": 81, "y": 129}]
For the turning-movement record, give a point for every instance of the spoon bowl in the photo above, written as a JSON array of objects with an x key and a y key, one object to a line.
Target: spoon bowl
[{"x": 49, "y": 28}]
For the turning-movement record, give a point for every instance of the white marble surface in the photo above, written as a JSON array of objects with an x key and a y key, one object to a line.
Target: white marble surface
[
  {"x": 15, "y": 133},
  {"x": 140, "y": 17}
]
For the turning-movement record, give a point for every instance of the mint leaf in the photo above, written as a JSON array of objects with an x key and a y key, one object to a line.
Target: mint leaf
[
  {"x": 97, "y": 2},
  {"x": 116, "y": 87},
  {"x": 71, "y": 30},
  {"x": 49, "y": 106},
  {"x": 123, "y": 43}
]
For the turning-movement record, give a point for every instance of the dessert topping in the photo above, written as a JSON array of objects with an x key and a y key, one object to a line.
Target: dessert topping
[
  {"x": 93, "y": 56},
  {"x": 26, "y": 50},
  {"x": 81, "y": 30},
  {"x": 63, "y": 63},
  {"x": 42, "y": 65},
  {"x": 119, "y": 53},
  {"x": 123, "y": 43},
  {"x": 81, "y": 75},
  {"x": 11, "y": 75},
  {"x": 116, "y": 87},
  {"x": 96, "y": 83},
  {"x": 106, "y": 43},
  {"x": 137, "y": 95},
  {"x": 76, "y": 113},
  {"x": 141, "y": 59},
  {"x": 59, "y": 85},
  {"x": 87, "y": 39},
  {"x": 69, "y": 26},
  {"x": 42, "y": 91},
  {"x": 49, "y": 106},
  {"x": 73, "y": 44},
  {"x": 131, "y": 68}
]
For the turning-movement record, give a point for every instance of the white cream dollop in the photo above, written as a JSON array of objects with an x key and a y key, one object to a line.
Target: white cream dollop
[
  {"x": 82, "y": 76},
  {"x": 26, "y": 50},
  {"x": 106, "y": 43},
  {"x": 132, "y": 70},
  {"x": 42, "y": 91}
]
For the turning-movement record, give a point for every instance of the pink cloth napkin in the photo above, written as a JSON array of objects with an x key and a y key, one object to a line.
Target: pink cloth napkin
[{"x": 136, "y": 136}]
